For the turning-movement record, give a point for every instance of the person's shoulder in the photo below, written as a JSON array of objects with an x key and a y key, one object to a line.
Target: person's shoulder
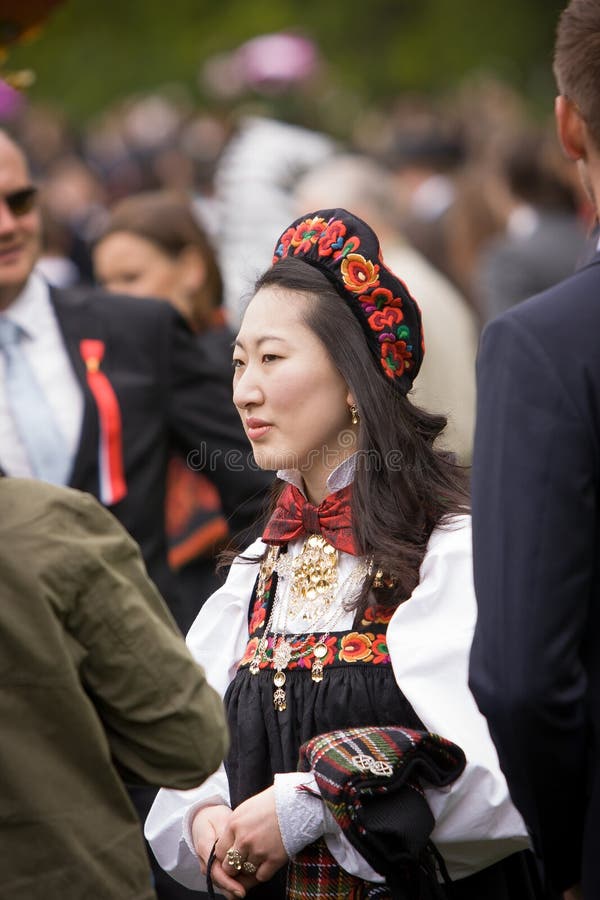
[
  {"x": 244, "y": 569},
  {"x": 453, "y": 535},
  {"x": 34, "y": 506},
  {"x": 31, "y": 494},
  {"x": 446, "y": 573},
  {"x": 275, "y": 132},
  {"x": 216, "y": 345},
  {"x": 35, "y": 498},
  {"x": 558, "y": 305},
  {"x": 534, "y": 336},
  {"x": 117, "y": 307},
  {"x": 251, "y": 555}
]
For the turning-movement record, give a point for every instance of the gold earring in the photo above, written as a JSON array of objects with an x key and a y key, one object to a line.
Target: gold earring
[
  {"x": 378, "y": 580},
  {"x": 354, "y": 415}
]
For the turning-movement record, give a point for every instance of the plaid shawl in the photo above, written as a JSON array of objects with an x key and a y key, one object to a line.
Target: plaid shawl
[{"x": 370, "y": 779}]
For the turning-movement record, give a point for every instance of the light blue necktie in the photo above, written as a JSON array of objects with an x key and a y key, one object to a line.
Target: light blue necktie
[{"x": 35, "y": 423}]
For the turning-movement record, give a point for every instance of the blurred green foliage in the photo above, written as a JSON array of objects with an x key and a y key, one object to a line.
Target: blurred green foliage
[{"x": 92, "y": 53}]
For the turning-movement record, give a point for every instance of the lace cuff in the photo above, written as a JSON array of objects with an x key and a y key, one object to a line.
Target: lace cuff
[{"x": 300, "y": 812}]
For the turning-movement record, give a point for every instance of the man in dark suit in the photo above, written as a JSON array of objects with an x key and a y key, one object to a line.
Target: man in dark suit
[
  {"x": 535, "y": 665},
  {"x": 122, "y": 383},
  {"x": 96, "y": 389}
]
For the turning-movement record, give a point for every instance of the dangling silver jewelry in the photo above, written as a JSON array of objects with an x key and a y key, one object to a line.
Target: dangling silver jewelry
[{"x": 354, "y": 415}]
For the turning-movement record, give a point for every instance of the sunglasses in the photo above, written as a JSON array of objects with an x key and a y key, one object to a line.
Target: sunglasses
[{"x": 20, "y": 202}]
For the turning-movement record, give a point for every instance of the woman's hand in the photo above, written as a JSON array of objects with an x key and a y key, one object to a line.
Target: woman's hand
[
  {"x": 253, "y": 830},
  {"x": 208, "y": 824}
]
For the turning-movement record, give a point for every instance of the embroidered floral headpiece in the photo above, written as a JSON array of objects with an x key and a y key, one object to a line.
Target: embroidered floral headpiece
[{"x": 346, "y": 250}]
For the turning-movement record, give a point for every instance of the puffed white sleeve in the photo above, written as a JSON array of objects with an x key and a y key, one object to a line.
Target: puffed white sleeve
[
  {"x": 217, "y": 640},
  {"x": 429, "y": 640}
]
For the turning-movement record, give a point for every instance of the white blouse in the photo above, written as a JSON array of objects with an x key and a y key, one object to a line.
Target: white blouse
[{"x": 429, "y": 639}]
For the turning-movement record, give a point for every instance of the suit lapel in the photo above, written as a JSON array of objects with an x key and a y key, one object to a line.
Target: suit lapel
[{"x": 77, "y": 320}]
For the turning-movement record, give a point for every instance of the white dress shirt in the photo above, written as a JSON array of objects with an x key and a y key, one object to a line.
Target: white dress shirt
[{"x": 45, "y": 351}]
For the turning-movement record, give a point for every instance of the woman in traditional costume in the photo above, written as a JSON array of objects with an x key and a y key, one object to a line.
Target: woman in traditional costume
[{"x": 340, "y": 640}]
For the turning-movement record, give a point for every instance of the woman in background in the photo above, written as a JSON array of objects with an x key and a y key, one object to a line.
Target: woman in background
[{"x": 154, "y": 246}]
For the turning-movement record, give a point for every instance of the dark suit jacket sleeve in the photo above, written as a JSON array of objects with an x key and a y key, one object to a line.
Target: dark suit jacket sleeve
[
  {"x": 206, "y": 426},
  {"x": 164, "y": 723},
  {"x": 534, "y": 523}
]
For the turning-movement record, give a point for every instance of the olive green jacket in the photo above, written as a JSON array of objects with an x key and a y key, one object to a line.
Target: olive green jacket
[{"x": 94, "y": 678}]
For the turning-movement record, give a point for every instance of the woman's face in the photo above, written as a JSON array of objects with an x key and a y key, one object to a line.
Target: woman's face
[
  {"x": 125, "y": 263},
  {"x": 293, "y": 402}
]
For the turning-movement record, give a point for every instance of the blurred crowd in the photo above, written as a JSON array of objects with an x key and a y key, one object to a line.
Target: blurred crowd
[
  {"x": 474, "y": 205},
  {"x": 477, "y": 207}
]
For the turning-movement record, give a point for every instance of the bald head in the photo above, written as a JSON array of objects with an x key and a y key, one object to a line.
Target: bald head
[
  {"x": 20, "y": 228},
  {"x": 352, "y": 182},
  {"x": 10, "y": 147}
]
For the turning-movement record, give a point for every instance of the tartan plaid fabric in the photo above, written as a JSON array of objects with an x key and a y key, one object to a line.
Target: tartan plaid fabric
[
  {"x": 371, "y": 760},
  {"x": 314, "y": 875},
  {"x": 370, "y": 779}
]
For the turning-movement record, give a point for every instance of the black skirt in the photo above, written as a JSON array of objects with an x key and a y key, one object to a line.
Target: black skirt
[
  {"x": 358, "y": 689},
  {"x": 265, "y": 742}
]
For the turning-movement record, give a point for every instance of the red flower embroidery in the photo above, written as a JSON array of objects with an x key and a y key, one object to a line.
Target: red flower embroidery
[
  {"x": 395, "y": 358},
  {"x": 351, "y": 246},
  {"x": 359, "y": 274},
  {"x": 380, "y": 650},
  {"x": 284, "y": 244},
  {"x": 386, "y": 319},
  {"x": 250, "y": 651},
  {"x": 307, "y": 234},
  {"x": 331, "y": 644},
  {"x": 258, "y": 617},
  {"x": 308, "y": 661},
  {"x": 356, "y": 647},
  {"x": 378, "y": 299},
  {"x": 304, "y": 662},
  {"x": 377, "y": 616},
  {"x": 332, "y": 238}
]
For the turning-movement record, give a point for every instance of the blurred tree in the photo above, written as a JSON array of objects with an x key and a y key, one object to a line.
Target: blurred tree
[{"x": 93, "y": 53}]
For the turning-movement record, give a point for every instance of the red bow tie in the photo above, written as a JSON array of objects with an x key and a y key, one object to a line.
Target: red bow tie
[{"x": 294, "y": 516}]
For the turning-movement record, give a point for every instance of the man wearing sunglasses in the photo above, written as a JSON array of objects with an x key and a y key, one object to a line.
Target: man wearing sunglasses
[
  {"x": 117, "y": 381},
  {"x": 19, "y": 238},
  {"x": 97, "y": 389}
]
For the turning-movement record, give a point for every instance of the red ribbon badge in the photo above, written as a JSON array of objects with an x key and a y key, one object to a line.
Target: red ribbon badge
[{"x": 112, "y": 475}]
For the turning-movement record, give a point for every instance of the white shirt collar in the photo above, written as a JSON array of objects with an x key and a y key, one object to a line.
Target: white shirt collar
[
  {"x": 32, "y": 306},
  {"x": 341, "y": 477}
]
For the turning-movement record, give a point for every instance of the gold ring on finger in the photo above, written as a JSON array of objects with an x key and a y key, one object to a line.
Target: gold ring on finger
[
  {"x": 234, "y": 859},
  {"x": 248, "y": 867}
]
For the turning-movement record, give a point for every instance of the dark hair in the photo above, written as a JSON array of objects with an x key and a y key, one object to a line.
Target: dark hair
[
  {"x": 165, "y": 218},
  {"x": 403, "y": 487},
  {"x": 577, "y": 59}
]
